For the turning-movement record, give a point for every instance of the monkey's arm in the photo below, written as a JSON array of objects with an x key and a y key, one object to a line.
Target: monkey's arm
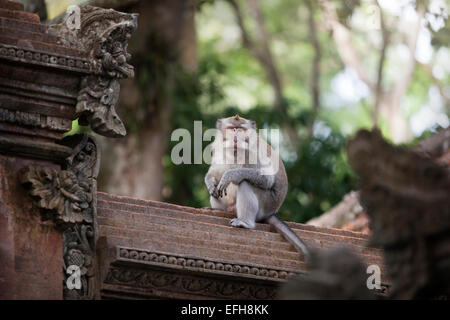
[{"x": 252, "y": 176}]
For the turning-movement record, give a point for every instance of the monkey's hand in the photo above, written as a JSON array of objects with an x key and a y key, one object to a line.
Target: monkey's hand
[
  {"x": 230, "y": 176},
  {"x": 213, "y": 191},
  {"x": 211, "y": 184}
]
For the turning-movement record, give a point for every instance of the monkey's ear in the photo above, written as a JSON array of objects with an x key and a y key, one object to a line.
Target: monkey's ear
[
  {"x": 219, "y": 124},
  {"x": 253, "y": 124}
]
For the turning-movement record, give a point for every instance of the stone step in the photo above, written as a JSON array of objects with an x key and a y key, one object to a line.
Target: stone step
[
  {"x": 199, "y": 229},
  {"x": 12, "y": 5},
  {"x": 157, "y": 215},
  {"x": 161, "y": 243},
  {"x": 22, "y": 25},
  {"x": 30, "y": 35},
  {"x": 208, "y": 241},
  {"x": 20, "y": 15},
  {"x": 162, "y": 227},
  {"x": 215, "y": 239},
  {"x": 186, "y": 230},
  {"x": 157, "y": 204},
  {"x": 196, "y": 229}
]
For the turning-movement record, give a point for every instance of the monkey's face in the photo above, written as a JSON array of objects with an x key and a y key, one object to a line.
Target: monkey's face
[{"x": 236, "y": 131}]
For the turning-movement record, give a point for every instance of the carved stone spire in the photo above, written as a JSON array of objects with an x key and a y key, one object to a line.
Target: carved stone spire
[{"x": 102, "y": 34}]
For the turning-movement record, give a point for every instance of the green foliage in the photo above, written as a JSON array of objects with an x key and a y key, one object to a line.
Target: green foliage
[
  {"x": 318, "y": 178},
  {"x": 76, "y": 128},
  {"x": 228, "y": 74}
]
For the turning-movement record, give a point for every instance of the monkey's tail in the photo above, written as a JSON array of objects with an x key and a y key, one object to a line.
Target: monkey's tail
[{"x": 289, "y": 235}]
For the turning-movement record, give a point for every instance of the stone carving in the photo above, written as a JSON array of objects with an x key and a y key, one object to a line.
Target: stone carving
[
  {"x": 186, "y": 284},
  {"x": 60, "y": 193},
  {"x": 66, "y": 196},
  {"x": 36, "y": 57},
  {"x": 103, "y": 35},
  {"x": 201, "y": 264},
  {"x": 79, "y": 250},
  {"x": 406, "y": 195},
  {"x": 34, "y": 119},
  {"x": 332, "y": 274}
]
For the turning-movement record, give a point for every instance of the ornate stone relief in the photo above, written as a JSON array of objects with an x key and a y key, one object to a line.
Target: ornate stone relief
[
  {"x": 188, "y": 277},
  {"x": 406, "y": 196},
  {"x": 103, "y": 34},
  {"x": 68, "y": 198},
  {"x": 79, "y": 250},
  {"x": 197, "y": 264},
  {"x": 190, "y": 285}
]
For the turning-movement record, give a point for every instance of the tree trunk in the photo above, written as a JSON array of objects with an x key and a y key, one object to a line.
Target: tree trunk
[
  {"x": 164, "y": 41},
  {"x": 391, "y": 110}
]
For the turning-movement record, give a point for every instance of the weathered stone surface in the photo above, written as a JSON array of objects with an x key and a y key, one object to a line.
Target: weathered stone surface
[
  {"x": 67, "y": 196},
  {"x": 46, "y": 81},
  {"x": 103, "y": 37},
  {"x": 30, "y": 251},
  {"x": 150, "y": 238},
  {"x": 78, "y": 74},
  {"x": 406, "y": 195}
]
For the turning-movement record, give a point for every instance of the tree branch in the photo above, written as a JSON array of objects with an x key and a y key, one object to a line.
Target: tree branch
[
  {"x": 261, "y": 51},
  {"x": 315, "y": 72},
  {"x": 343, "y": 41},
  {"x": 378, "y": 93},
  {"x": 402, "y": 84},
  {"x": 429, "y": 70}
]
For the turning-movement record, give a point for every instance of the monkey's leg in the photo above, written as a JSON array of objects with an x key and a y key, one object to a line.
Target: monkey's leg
[
  {"x": 226, "y": 203},
  {"x": 236, "y": 176},
  {"x": 247, "y": 206},
  {"x": 217, "y": 204}
]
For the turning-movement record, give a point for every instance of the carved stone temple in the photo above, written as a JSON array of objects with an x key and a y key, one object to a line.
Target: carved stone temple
[{"x": 59, "y": 237}]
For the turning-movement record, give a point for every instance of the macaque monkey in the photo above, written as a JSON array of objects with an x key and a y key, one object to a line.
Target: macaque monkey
[{"x": 247, "y": 177}]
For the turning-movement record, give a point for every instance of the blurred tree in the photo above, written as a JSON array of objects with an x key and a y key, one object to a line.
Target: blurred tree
[
  {"x": 388, "y": 102},
  {"x": 164, "y": 41},
  {"x": 275, "y": 62},
  {"x": 36, "y": 6}
]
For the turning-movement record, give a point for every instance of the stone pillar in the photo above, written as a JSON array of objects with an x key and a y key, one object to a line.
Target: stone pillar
[{"x": 49, "y": 76}]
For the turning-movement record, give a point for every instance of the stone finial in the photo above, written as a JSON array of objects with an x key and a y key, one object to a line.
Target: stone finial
[{"x": 102, "y": 34}]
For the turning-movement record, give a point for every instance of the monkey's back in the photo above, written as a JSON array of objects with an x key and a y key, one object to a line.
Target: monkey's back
[{"x": 274, "y": 197}]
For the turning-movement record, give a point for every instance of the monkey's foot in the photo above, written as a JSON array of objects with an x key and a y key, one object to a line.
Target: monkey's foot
[{"x": 239, "y": 223}]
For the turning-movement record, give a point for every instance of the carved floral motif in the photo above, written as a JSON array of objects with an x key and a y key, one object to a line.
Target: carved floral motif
[
  {"x": 192, "y": 285},
  {"x": 61, "y": 193},
  {"x": 66, "y": 196}
]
